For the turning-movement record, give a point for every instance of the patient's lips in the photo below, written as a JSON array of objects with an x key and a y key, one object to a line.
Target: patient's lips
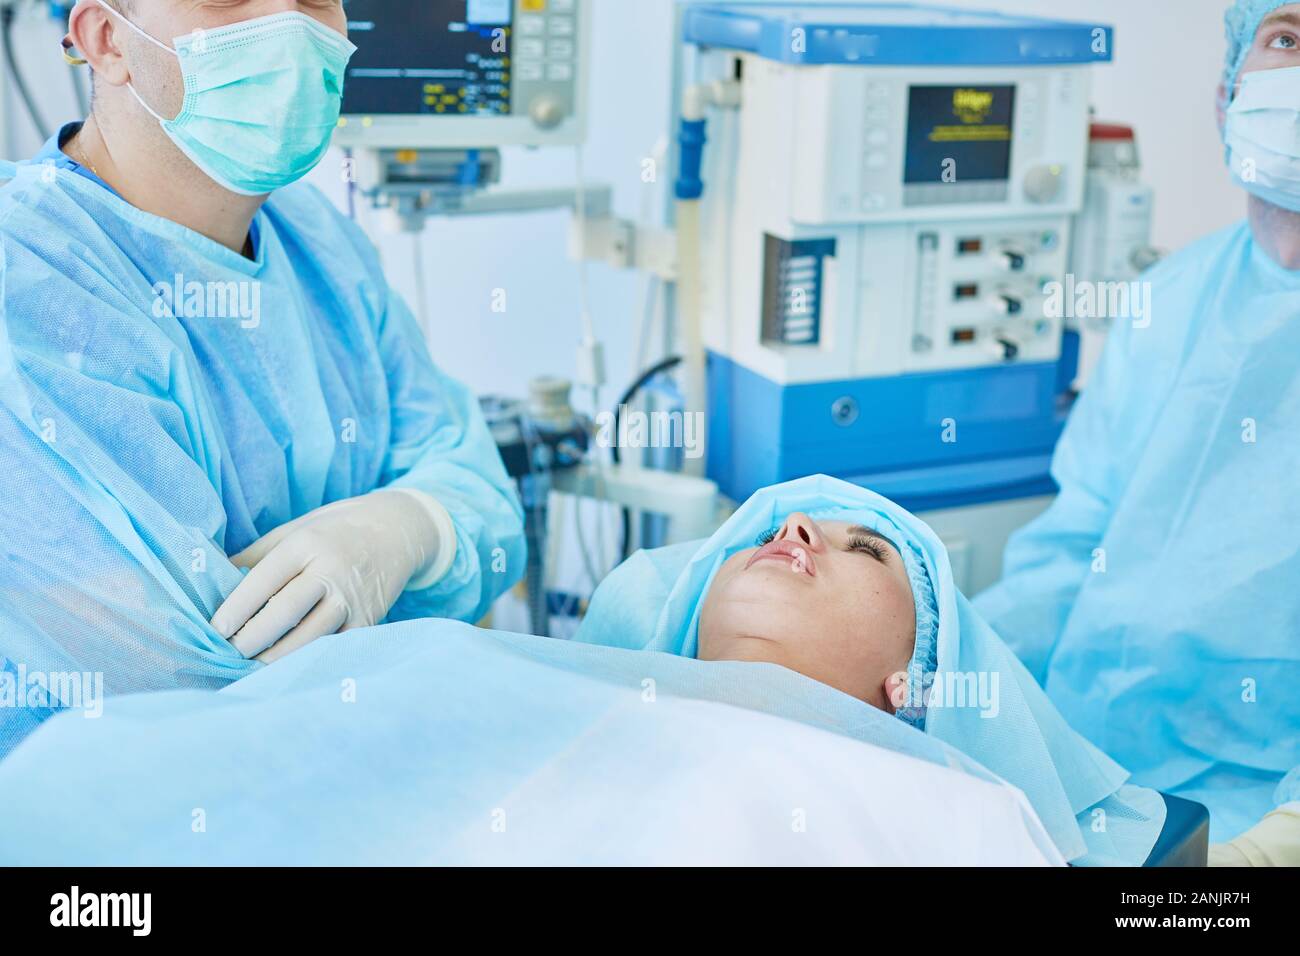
[{"x": 795, "y": 554}]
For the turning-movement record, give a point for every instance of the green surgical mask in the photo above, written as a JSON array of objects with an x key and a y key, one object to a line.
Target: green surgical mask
[{"x": 262, "y": 98}]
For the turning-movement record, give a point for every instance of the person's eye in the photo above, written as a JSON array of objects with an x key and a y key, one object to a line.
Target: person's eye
[
  {"x": 864, "y": 545},
  {"x": 766, "y": 537},
  {"x": 1284, "y": 41}
]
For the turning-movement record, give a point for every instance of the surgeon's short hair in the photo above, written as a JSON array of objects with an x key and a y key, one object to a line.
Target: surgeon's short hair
[{"x": 124, "y": 7}]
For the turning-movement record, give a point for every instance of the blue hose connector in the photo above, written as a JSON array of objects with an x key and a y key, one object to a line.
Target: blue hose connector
[
  {"x": 691, "y": 139},
  {"x": 469, "y": 172}
]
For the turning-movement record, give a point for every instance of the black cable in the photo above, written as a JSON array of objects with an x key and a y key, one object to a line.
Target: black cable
[
  {"x": 633, "y": 390},
  {"x": 7, "y": 13}
]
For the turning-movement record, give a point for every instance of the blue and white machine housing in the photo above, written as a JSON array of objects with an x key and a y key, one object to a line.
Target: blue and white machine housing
[{"x": 881, "y": 221}]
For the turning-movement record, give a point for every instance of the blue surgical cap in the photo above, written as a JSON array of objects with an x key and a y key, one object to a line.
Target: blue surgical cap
[
  {"x": 925, "y": 655},
  {"x": 1242, "y": 20},
  {"x": 771, "y": 507}
]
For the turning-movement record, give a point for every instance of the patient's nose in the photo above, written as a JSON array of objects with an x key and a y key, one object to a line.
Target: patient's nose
[{"x": 801, "y": 529}]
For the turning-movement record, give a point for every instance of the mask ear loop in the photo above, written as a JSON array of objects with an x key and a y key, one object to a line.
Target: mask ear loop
[{"x": 154, "y": 40}]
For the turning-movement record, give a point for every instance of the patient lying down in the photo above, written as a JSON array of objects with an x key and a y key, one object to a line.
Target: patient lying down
[
  {"x": 855, "y": 595},
  {"x": 829, "y": 599}
]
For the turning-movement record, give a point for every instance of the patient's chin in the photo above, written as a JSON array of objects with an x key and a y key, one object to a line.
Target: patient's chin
[{"x": 753, "y": 649}]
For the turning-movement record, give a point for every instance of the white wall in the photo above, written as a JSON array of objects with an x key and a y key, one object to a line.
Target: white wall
[{"x": 1168, "y": 60}]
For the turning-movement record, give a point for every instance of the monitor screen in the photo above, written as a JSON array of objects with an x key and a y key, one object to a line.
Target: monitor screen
[
  {"x": 959, "y": 134},
  {"x": 437, "y": 57}
]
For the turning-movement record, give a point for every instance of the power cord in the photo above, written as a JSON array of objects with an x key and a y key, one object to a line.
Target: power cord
[
  {"x": 628, "y": 397},
  {"x": 8, "y": 12}
]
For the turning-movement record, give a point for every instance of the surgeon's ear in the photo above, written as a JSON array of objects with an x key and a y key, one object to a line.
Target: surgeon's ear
[
  {"x": 1221, "y": 106},
  {"x": 894, "y": 691},
  {"x": 94, "y": 33}
]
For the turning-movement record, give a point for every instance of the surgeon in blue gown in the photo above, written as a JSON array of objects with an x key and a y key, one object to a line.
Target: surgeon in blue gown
[
  {"x": 1158, "y": 600},
  {"x": 221, "y": 433}
]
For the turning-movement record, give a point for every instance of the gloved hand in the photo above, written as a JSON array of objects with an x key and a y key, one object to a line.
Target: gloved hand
[
  {"x": 1274, "y": 841},
  {"x": 340, "y": 567}
]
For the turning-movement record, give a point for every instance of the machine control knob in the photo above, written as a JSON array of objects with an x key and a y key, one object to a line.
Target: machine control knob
[
  {"x": 1013, "y": 260},
  {"x": 547, "y": 112},
  {"x": 1008, "y": 304},
  {"x": 1006, "y": 349},
  {"x": 1043, "y": 183}
]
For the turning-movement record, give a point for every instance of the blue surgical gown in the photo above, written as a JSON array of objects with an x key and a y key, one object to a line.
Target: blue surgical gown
[
  {"x": 142, "y": 444},
  {"x": 1158, "y": 600}
]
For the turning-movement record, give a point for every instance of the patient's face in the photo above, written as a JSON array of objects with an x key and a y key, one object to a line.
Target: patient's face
[{"x": 830, "y": 600}]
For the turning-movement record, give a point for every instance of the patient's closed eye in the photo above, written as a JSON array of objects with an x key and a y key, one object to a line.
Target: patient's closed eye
[
  {"x": 766, "y": 537},
  {"x": 865, "y": 541},
  {"x": 869, "y": 546}
]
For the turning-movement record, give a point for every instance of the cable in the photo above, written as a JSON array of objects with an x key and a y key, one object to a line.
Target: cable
[
  {"x": 628, "y": 397},
  {"x": 421, "y": 289},
  {"x": 634, "y": 389},
  {"x": 583, "y": 550},
  {"x": 7, "y": 13},
  {"x": 625, "y": 535},
  {"x": 600, "y": 499},
  {"x": 352, "y": 183},
  {"x": 557, "y": 515},
  {"x": 535, "y": 492},
  {"x": 653, "y": 286},
  {"x": 652, "y": 282},
  {"x": 649, "y": 313},
  {"x": 584, "y": 289},
  {"x": 591, "y": 359}
]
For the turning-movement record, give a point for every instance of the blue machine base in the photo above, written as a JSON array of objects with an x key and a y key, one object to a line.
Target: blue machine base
[{"x": 927, "y": 441}]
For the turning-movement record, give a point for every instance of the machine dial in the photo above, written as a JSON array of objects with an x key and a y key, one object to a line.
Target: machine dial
[
  {"x": 547, "y": 112},
  {"x": 1043, "y": 183}
]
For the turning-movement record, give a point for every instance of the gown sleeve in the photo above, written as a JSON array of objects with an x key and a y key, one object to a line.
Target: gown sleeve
[{"x": 441, "y": 446}]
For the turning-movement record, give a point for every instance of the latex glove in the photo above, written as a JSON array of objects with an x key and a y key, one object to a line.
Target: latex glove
[
  {"x": 1274, "y": 841},
  {"x": 340, "y": 567}
]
